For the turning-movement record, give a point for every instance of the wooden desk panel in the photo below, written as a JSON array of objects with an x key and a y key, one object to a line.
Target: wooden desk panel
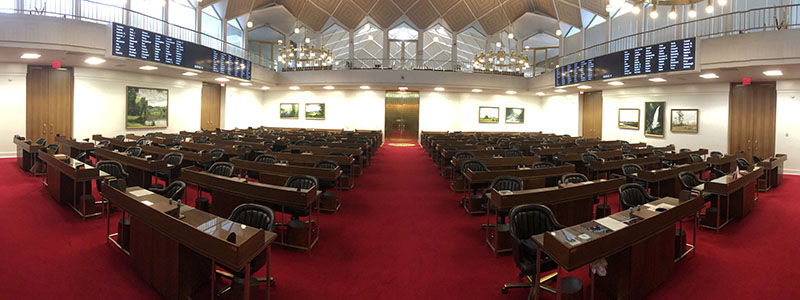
[
  {"x": 140, "y": 170},
  {"x": 73, "y": 148},
  {"x": 26, "y": 154},
  {"x": 773, "y": 172}
]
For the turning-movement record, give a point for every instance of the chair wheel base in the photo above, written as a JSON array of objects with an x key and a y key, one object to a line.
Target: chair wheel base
[{"x": 504, "y": 291}]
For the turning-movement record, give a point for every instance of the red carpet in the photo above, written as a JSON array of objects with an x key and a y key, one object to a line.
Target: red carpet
[{"x": 398, "y": 235}]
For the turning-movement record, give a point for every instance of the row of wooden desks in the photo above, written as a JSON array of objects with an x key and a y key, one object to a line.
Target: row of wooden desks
[
  {"x": 140, "y": 170},
  {"x": 69, "y": 180},
  {"x": 737, "y": 191},
  {"x": 571, "y": 203},
  {"x": 72, "y": 147},
  {"x": 664, "y": 182},
  {"x": 26, "y": 153},
  {"x": 176, "y": 252},
  {"x": 639, "y": 246},
  {"x": 229, "y": 192},
  {"x": 531, "y": 178},
  {"x": 114, "y": 143}
]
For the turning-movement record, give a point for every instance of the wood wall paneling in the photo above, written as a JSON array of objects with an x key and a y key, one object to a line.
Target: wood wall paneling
[
  {"x": 210, "y": 106},
  {"x": 592, "y": 114},
  {"x": 49, "y": 102},
  {"x": 751, "y": 119}
]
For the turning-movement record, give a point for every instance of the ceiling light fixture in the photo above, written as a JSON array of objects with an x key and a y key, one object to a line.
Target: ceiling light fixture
[
  {"x": 222, "y": 79},
  {"x": 773, "y": 73},
  {"x": 657, "y": 79},
  {"x": 246, "y": 84},
  {"x": 30, "y": 55},
  {"x": 559, "y": 90},
  {"x": 558, "y": 31},
  {"x": 249, "y": 24},
  {"x": 148, "y": 68},
  {"x": 189, "y": 74},
  {"x": 710, "y": 7},
  {"x": 265, "y": 88},
  {"x": 364, "y": 87},
  {"x": 709, "y": 76},
  {"x": 94, "y": 60},
  {"x": 584, "y": 87},
  {"x": 367, "y": 27},
  {"x": 498, "y": 44},
  {"x": 722, "y": 2},
  {"x": 654, "y": 12},
  {"x": 539, "y": 94},
  {"x": 692, "y": 13},
  {"x": 477, "y": 90},
  {"x": 511, "y": 92},
  {"x": 328, "y": 87},
  {"x": 510, "y": 36},
  {"x": 616, "y": 83},
  {"x": 438, "y": 89},
  {"x": 294, "y": 88},
  {"x": 297, "y": 30},
  {"x": 635, "y": 9},
  {"x": 672, "y": 13}
]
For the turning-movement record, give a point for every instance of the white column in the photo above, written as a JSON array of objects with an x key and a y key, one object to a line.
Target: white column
[
  {"x": 386, "y": 56},
  {"x": 351, "y": 51},
  {"x": 420, "y": 46},
  {"x": 454, "y": 52}
]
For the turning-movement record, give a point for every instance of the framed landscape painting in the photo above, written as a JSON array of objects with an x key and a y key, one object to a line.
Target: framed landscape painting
[
  {"x": 487, "y": 114},
  {"x": 290, "y": 110},
  {"x": 315, "y": 111},
  {"x": 515, "y": 115},
  {"x": 684, "y": 120},
  {"x": 628, "y": 118},
  {"x": 654, "y": 119},
  {"x": 146, "y": 107}
]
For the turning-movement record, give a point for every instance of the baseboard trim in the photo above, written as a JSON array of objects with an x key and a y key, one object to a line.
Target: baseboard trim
[
  {"x": 8, "y": 154},
  {"x": 791, "y": 171}
]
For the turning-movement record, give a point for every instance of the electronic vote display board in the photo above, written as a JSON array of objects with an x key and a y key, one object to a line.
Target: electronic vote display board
[
  {"x": 150, "y": 46},
  {"x": 670, "y": 56}
]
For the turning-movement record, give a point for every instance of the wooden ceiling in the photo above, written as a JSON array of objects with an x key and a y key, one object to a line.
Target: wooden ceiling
[{"x": 491, "y": 15}]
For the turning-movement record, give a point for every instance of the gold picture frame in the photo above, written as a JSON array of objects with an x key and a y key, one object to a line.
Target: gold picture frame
[
  {"x": 289, "y": 110},
  {"x": 688, "y": 120},
  {"x": 315, "y": 111},
  {"x": 515, "y": 115},
  {"x": 488, "y": 114},
  {"x": 146, "y": 107},
  {"x": 654, "y": 118},
  {"x": 625, "y": 118}
]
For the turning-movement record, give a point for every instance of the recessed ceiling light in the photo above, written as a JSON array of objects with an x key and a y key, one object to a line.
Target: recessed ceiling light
[
  {"x": 658, "y": 79},
  {"x": 559, "y": 90},
  {"x": 616, "y": 83},
  {"x": 709, "y": 76},
  {"x": 539, "y": 94},
  {"x": 189, "y": 74},
  {"x": 148, "y": 68},
  {"x": 402, "y": 88},
  {"x": 249, "y": 24},
  {"x": 438, "y": 89},
  {"x": 584, "y": 87},
  {"x": 94, "y": 60},
  {"x": 294, "y": 87},
  {"x": 477, "y": 90},
  {"x": 30, "y": 55},
  {"x": 328, "y": 87},
  {"x": 222, "y": 79},
  {"x": 364, "y": 87},
  {"x": 265, "y": 88},
  {"x": 246, "y": 84},
  {"x": 773, "y": 73},
  {"x": 511, "y": 92}
]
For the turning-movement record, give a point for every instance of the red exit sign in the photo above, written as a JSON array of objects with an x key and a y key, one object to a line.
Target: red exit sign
[{"x": 746, "y": 81}]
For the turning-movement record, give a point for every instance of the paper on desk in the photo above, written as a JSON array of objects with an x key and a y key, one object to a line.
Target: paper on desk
[
  {"x": 141, "y": 193},
  {"x": 651, "y": 207},
  {"x": 611, "y": 223}
]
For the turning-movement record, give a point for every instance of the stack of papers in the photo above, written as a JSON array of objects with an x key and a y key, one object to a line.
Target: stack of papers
[
  {"x": 141, "y": 193},
  {"x": 611, "y": 223}
]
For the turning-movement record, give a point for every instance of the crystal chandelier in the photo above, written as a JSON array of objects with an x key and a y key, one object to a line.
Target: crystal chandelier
[
  {"x": 305, "y": 57},
  {"x": 501, "y": 61}
]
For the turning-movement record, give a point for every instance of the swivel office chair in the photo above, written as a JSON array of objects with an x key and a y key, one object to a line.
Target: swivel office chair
[
  {"x": 302, "y": 143},
  {"x": 528, "y": 220},
  {"x": 299, "y": 182},
  {"x": 113, "y": 168},
  {"x": 120, "y": 138},
  {"x": 626, "y": 149},
  {"x": 695, "y": 158},
  {"x": 743, "y": 163},
  {"x": 257, "y": 216},
  {"x": 543, "y": 165},
  {"x": 142, "y": 141},
  {"x": 173, "y": 191},
  {"x": 267, "y": 159},
  {"x": 603, "y": 209},
  {"x": 628, "y": 156},
  {"x": 756, "y": 159},
  {"x": 716, "y": 154},
  {"x": 632, "y": 195},
  {"x": 513, "y": 153},
  {"x": 587, "y": 159},
  {"x": 52, "y": 148},
  {"x": 216, "y": 155},
  {"x": 664, "y": 162},
  {"x": 176, "y": 160},
  {"x": 324, "y": 184},
  {"x": 474, "y": 166},
  {"x": 41, "y": 141},
  {"x": 464, "y": 155},
  {"x": 134, "y": 151},
  {"x": 501, "y": 183},
  {"x": 685, "y": 150},
  {"x": 221, "y": 169},
  {"x": 151, "y": 134},
  {"x": 629, "y": 169}
]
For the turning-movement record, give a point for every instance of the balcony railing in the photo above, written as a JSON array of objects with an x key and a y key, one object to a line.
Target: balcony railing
[{"x": 738, "y": 22}]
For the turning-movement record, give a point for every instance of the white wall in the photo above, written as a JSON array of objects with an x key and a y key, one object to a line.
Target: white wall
[
  {"x": 470, "y": 103},
  {"x": 242, "y": 108},
  {"x": 710, "y": 99},
  {"x": 787, "y": 135},
  {"x": 100, "y": 102},
  {"x": 344, "y": 109},
  {"x": 12, "y": 116},
  {"x": 559, "y": 114}
]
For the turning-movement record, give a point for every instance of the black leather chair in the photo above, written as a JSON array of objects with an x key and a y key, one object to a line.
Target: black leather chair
[
  {"x": 173, "y": 191},
  {"x": 324, "y": 184},
  {"x": 151, "y": 134},
  {"x": 716, "y": 154},
  {"x": 266, "y": 158},
  {"x": 578, "y": 178},
  {"x": 629, "y": 169},
  {"x": 302, "y": 143},
  {"x": 175, "y": 159},
  {"x": 302, "y": 182},
  {"x": 743, "y": 163},
  {"x": 52, "y": 148},
  {"x": 756, "y": 159},
  {"x": 685, "y": 150},
  {"x": 113, "y": 168},
  {"x": 695, "y": 158},
  {"x": 221, "y": 169},
  {"x": 120, "y": 138},
  {"x": 587, "y": 159},
  {"x": 626, "y": 149},
  {"x": 501, "y": 183},
  {"x": 632, "y": 195},
  {"x": 216, "y": 155},
  {"x": 464, "y": 155},
  {"x": 142, "y": 141},
  {"x": 134, "y": 151},
  {"x": 629, "y": 156},
  {"x": 665, "y": 162},
  {"x": 543, "y": 165},
  {"x": 525, "y": 221},
  {"x": 41, "y": 141},
  {"x": 257, "y": 216},
  {"x": 578, "y": 142},
  {"x": 513, "y": 153},
  {"x": 474, "y": 166}
]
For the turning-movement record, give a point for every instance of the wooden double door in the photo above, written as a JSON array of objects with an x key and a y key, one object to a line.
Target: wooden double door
[
  {"x": 751, "y": 119},
  {"x": 592, "y": 113},
  {"x": 49, "y": 103},
  {"x": 210, "y": 106}
]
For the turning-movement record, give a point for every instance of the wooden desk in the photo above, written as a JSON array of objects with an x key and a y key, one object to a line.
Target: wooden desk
[
  {"x": 26, "y": 154},
  {"x": 159, "y": 153},
  {"x": 228, "y": 192},
  {"x": 644, "y": 151},
  {"x": 493, "y": 163},
  {"x": 155, "y": 139},
  {"x": 309, "y": 160},
  {"x": 140, "y": 170},
  {"x": 616, "y": 165},
  {"x": 68, "y": 181},
  {"x": 531, "y": 178},
  {"x": 73, "y": 148},
  {"x": 228, "y": 149},
  {"x": 725, "y": 164},
  {"x": 640, "y": 256},
  {"x": 571, "y": 204},
  {"x": 358, "y": 156},
  {"x": 773, "y": 172},
  {"x": 684, "y": 157},
  {"x": 178, "y": 256},
  {"x": 665, "y": 182},
  {"x": 114, "y": 143},
  {"x": 739, "y": 194}
]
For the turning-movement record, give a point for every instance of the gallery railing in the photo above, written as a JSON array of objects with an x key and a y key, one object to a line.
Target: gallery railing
[{"x": 738, "y": 22}]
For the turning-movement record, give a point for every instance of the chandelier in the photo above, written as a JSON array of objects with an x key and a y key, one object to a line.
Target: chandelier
[
  {"x": 501, "y": 61},
  {"x": 305, "y": 57}
]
